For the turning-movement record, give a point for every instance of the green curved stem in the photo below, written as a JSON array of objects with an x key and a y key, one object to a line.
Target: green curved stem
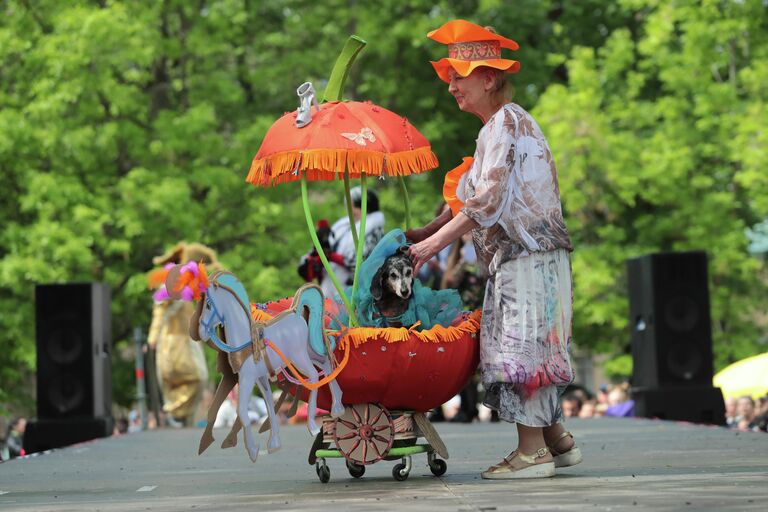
[
  {"x": 350, "y": 213},
  {"x": 361, "y": 237},
  {"x": 406, "y": 203},
  {"x": 311, "y": 225},
  {"x": 335, "y": 87},
  {"x": 333, "y": 92}
]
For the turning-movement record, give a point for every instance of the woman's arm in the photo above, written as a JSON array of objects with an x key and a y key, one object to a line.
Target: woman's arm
[
  {"x": 419, "y": 234},
  {"x": 423, "y": 251}
]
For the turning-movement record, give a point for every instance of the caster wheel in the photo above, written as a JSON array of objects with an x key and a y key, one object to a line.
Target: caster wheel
[
  {"x": 323, "y": 473},
  {"x": 356, "y": 470},
  {"x": 438, "y": 467},
  {"x": 398, "y": 473}
]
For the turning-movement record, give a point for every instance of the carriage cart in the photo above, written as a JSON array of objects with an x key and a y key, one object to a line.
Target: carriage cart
[{"x": 392, "y": 377}]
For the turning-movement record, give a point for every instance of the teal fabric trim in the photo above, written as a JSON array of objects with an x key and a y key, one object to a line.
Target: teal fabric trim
[
  {"x": 312, "y": 298},
  {"x": 430, "y": 307}
]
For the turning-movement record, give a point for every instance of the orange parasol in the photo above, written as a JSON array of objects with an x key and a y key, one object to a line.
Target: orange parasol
[
  {"x": 353, "y": 136},
  {"x": 341, "y": 139}
]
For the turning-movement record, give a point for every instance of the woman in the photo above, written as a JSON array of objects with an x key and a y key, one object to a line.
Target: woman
[{"x": 510, "y": 202}]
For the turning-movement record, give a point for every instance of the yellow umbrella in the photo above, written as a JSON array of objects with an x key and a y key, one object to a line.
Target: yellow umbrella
[{"x": 748, "y": 377}]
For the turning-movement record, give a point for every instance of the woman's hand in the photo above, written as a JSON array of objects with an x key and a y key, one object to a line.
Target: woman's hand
[{"x": 422, "y": 252}]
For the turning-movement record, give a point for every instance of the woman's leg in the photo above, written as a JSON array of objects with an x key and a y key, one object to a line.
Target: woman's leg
[
  {"x": 553, "y": 436},
  {"x": 531, "y": 459},
  {"x": 530, "y": 440},
  {"x": 562, "y": 446}
]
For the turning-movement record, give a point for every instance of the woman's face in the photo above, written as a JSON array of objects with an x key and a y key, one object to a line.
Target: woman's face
[{"x": 470, "y": 91}]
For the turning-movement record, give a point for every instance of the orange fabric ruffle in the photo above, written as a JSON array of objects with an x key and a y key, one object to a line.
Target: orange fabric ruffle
[
  {"x": 451, "y": 183},
  {"x": 157, "y": 277},
  {"x": 437, "y": 334}
]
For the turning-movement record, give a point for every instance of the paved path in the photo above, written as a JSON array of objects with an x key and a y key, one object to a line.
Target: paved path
[{"x": 630, "y": 464}]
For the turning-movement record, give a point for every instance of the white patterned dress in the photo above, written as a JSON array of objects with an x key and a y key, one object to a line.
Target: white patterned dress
[{"x": 522, "y": 244}]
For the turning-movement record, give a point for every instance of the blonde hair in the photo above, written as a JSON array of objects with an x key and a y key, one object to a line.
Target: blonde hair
[{"x": 502, "y": 91}]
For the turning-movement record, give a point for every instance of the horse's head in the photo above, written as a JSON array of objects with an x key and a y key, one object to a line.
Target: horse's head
[
  {"x": 225, "y": 304},
  {"x": 207, "y": 315}
]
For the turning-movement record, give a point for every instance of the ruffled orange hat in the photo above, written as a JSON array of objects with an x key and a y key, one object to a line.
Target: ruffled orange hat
[{"x": 471, "y": 46}]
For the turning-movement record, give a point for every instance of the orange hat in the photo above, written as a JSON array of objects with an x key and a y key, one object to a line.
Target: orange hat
[{"x": 471, "y": 46}]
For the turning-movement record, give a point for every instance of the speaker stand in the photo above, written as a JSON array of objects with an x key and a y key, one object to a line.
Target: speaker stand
[
  {"x": 47, "y": 434},
  {"x": 697, "y": 404}
]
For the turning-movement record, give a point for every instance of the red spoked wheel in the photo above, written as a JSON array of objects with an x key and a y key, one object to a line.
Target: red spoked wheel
[{"x": 364, "y": 433}]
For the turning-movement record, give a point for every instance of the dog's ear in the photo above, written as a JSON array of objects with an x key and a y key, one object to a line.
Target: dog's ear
[
  {"x": 403, "y": 251},
  {"x": 377, "y": 285}
]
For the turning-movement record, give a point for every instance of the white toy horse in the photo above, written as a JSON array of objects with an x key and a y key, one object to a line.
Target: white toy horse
[{"x": 252, "y": 349}]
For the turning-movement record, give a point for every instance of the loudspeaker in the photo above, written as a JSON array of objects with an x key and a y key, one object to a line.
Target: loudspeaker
[
  {"x": 74, "y": 371},
  {"x": 669, "y": 320},
  {"x": 696, "y": 404}
]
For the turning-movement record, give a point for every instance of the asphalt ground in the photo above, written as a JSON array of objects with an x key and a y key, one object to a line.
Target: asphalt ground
[{"x": 629, "y": 464}]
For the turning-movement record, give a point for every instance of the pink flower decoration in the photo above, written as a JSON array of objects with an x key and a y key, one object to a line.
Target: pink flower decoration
[
  {"x": 161, "y": 294},
  {"x": 190, "y": 266},
  {"x": 187, "y": 293}
]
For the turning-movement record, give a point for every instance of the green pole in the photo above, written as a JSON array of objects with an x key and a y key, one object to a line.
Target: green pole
[
  {"x": 333, "y": 92},
  {"x": 311, "y": 225},
  {"x": 350, "y": 213},
  {"x": 406, "y": 203},
  {"x": 335, "y": 87},
  {"x": 361, "y": 238}
]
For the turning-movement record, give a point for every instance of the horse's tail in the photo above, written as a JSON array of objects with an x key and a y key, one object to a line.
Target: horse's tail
[{"x": 310, "y": 296}]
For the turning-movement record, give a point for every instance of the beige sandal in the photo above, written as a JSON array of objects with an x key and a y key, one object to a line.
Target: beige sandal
[
  {"x": 519, "y": 465},
  {"x": 567, "y": 458}
]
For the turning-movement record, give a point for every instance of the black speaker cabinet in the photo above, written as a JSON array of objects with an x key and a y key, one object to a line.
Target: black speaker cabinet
[
  {"x": 670, "y": 321},
  {"x": 695, "y": 404},
  {"x": 74, "y": 372}
]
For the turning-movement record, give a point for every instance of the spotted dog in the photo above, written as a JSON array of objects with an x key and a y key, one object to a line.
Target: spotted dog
[{"x": 392, "y": 287}]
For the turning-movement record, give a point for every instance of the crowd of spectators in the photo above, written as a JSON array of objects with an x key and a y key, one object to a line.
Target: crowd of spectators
[
  {"x": 610, "y": 400},
  {"x": 746, "y": 414}
]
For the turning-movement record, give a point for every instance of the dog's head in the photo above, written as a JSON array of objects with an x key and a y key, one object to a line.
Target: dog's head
[{"x": 395, "y": 276}]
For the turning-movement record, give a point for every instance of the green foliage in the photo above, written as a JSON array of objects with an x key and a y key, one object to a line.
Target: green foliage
[
  {"x": 659, "y": 138},
  {"x": 127, "y": 126},
  {"x": 619, "y": 369}
]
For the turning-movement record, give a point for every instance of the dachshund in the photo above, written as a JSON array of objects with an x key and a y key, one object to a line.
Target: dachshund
[{"x": 392, "y": 286}]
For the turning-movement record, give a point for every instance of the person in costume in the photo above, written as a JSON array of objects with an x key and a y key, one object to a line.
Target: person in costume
[
  {"x": 180, "y": 362},
  {"x": 311, "y": 266},
  {"x": 508, "y": 197}
]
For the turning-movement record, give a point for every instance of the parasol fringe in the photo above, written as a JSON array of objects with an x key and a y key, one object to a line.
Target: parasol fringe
[{"x": 330, "y": 164}]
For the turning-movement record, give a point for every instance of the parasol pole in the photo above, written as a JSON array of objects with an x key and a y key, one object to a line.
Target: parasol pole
[
  {"x": 361, "y": 239},
  {"x": 333, "y": 92},
  {"x": 406, "y": 202},
  {"x": 311, "y": 225},
  {"x": 348, "y": 199}
]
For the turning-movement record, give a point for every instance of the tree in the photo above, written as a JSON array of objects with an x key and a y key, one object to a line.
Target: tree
[
  {"x": 659, "y": 137},
  {"x": 127, "y": 127}
]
